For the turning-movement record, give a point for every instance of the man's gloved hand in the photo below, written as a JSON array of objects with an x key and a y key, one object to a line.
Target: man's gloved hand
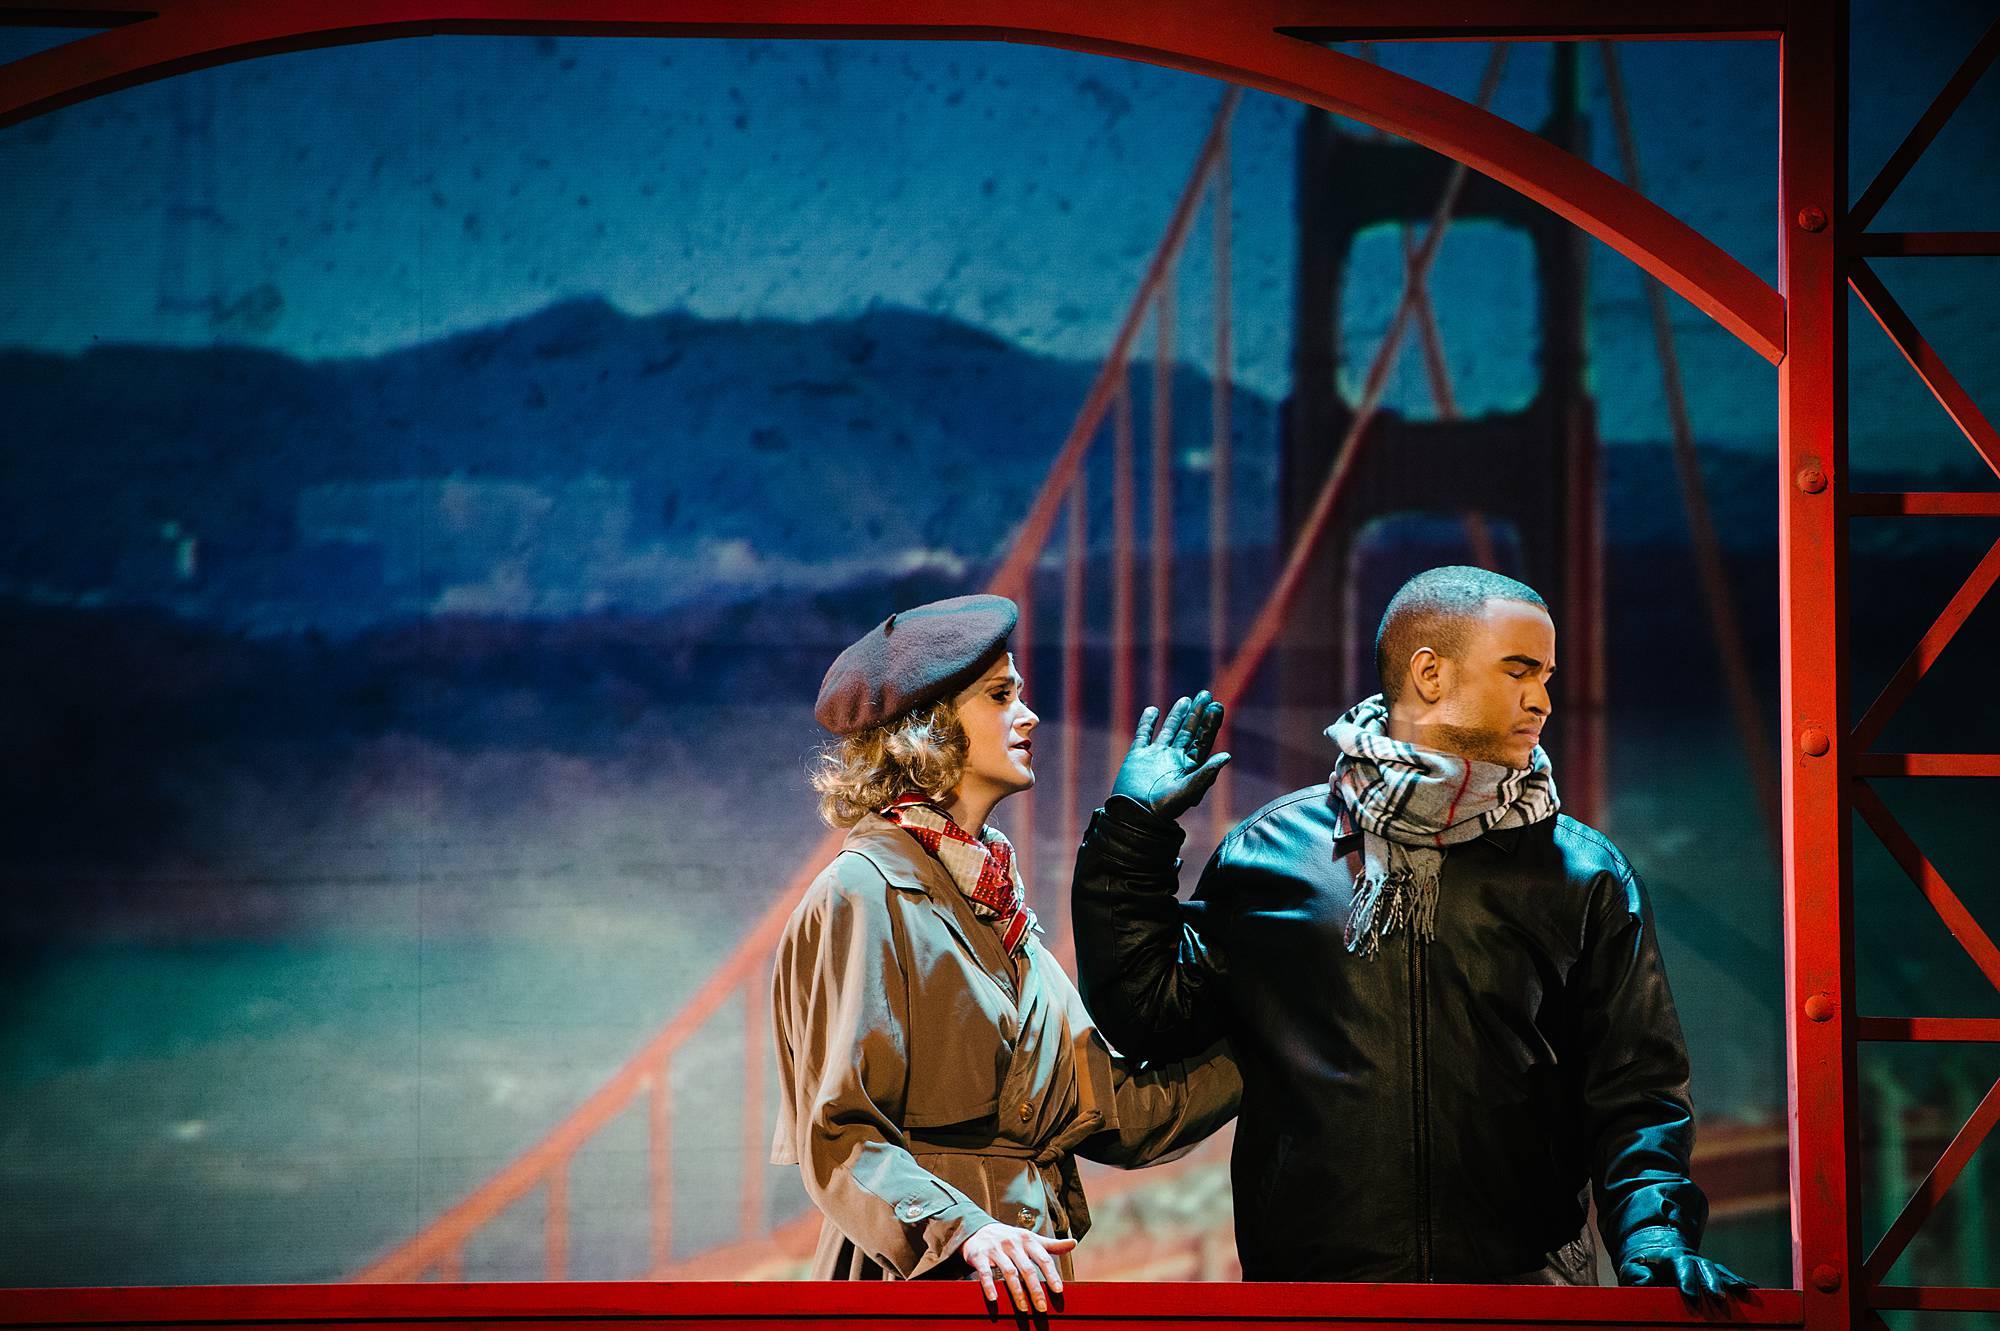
[
  {"x": 1168, "y": 773},
  {"x": 1658, "y": 1255}
]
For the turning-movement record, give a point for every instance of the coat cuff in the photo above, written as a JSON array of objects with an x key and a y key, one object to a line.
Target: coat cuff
[
  {"x": 937, "y": 1226},
  {"x": 1653, "y": 1238},
  {"x": 1127, "y": 830}
]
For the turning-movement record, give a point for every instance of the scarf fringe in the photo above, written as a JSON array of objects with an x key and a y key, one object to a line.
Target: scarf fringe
[{"x": 1385, "y": 903}]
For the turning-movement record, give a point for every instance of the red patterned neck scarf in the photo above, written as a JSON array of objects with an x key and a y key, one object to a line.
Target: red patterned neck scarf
[{"x": 983, "y": 869}]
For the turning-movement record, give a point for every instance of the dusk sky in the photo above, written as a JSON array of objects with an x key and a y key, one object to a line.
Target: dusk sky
[{"x": 350, "y": 201}]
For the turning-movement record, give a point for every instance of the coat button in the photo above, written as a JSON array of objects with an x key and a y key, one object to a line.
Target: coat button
[
  {"x": 1027, "y": 1111},
  {"x": 1027, "y": 1218},
  {"x": 912, "y": 1210}
]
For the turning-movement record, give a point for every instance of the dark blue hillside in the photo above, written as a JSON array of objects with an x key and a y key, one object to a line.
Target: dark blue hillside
[
  {"x": 570, "y": 461},
  {"x": 580, "y": 460}
]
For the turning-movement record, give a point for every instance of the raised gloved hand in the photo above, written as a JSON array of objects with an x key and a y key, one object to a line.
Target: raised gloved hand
[
  {"x": 1658, "y": 1255},
  {"x": 1169, "y": 772}
]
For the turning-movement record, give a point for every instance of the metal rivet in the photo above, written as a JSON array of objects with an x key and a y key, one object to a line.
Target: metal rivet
[
  {"x": 1812, "y": 218},
  {"x": 1819, "y": 1007},
  {"x": 1811, "y": 479},
  {"x": 1826, "y": 1277},
  {"x": 1814, "y": 743}
]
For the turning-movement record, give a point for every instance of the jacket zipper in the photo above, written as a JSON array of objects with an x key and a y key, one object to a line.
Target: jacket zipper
[{"x": 1420, "y": 1106}]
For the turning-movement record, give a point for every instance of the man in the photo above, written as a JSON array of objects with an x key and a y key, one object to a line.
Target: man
[{"x": 1447, "y": 1001}]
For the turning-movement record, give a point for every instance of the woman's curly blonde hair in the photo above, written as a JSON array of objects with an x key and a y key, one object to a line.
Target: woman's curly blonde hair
[{"x": 919, "y": 750}]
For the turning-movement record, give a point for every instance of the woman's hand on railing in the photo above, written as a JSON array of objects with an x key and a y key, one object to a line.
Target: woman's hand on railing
[{"x": 1024, "y": 1259}]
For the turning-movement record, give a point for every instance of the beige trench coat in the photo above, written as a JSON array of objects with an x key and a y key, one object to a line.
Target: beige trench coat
[{"x": 922, "y": 1094}]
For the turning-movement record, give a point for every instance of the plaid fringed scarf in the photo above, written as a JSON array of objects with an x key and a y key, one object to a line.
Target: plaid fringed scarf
[
  {"x": 983, "y": 869},
  {"x": 1410, "y": 803}
]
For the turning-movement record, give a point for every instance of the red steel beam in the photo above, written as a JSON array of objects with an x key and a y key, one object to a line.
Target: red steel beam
[
  {"x": 846, "y": 1304},
  {"x": 1936, "y": 1183},
  {"x": 1243, "y": 43},
  {"x": 1929, "y": 882},
  {"x": 1925, "y": 654},
  {"x": 1925, "y": 130},
  {"x": 1812, "y": 588},
  {"x": 1433, "y": 20},
  {"x": 1930, "y": 367},
  {"x": 1958, "y": 1030}
]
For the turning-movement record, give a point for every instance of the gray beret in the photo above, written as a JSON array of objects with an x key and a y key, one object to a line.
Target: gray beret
[{"x": 912, "y": 658}]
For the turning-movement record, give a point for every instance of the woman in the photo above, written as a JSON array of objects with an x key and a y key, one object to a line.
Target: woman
[{"x": 940, "y": 1075}]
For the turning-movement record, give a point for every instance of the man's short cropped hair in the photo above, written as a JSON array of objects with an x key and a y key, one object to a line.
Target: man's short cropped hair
[{"x": 1434, "y": 609}]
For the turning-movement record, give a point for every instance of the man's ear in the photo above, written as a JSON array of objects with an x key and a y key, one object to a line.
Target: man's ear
[{"x": 1427, "y": 675}]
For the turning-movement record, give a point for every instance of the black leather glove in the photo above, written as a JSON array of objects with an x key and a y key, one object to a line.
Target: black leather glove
[
  {"x": 1168, "y": 773},
  {"x": 1658, "y": 1255}
]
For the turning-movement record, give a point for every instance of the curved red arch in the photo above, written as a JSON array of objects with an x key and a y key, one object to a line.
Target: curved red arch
[{"x": 1242, "y": 42}]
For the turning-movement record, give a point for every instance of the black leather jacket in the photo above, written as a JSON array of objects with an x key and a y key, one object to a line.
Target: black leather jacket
[{"x": 1435, "y": 1112}]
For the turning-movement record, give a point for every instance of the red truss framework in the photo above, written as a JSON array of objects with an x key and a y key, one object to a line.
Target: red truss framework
[
  {"x": 1276, "y": 46},
  {"x": 1858, "y": 760}
]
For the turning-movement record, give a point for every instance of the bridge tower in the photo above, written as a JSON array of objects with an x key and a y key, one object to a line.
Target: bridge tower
[{"x": 1534, "y": 470}]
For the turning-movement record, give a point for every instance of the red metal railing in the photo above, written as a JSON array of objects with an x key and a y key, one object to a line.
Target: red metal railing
[
  {"x": 1827, "y": 777},
  {"x": 839, "y": 1305}
]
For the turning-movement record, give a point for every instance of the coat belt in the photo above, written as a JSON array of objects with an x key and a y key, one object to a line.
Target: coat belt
[{"x": 1067, "y": 1210}]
